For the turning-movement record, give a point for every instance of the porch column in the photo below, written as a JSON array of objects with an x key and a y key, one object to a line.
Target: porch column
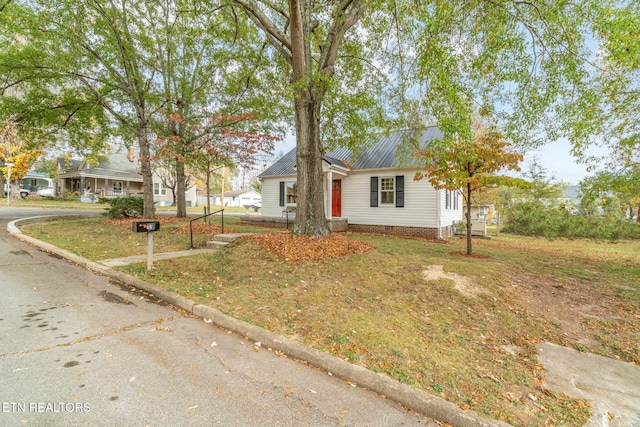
[
  {"x": 329, "y": 193},
  {"x": 128, "y": 187},
  {"x": 106, "y": 187}
]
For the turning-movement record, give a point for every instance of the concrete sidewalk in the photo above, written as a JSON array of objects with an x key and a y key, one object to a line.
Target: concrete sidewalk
[
  {"x": 118, "y": 262},
  {"x": 612, "y": 387}
]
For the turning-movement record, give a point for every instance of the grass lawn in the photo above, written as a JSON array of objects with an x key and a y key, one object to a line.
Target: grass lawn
[{"x": 470, "y": 337}]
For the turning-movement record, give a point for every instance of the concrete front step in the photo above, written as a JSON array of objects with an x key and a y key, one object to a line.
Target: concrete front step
[
  {"x": 228, "y": 237},
  {"x": 221, "y": 240},
  {"x": 215, "y": 245}
]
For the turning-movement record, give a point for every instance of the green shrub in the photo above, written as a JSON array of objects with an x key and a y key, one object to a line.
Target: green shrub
[
  {"x": 124, "y": 207},
  {"x": 67, "y": 196},
  {"x": 535, "y": 219}
]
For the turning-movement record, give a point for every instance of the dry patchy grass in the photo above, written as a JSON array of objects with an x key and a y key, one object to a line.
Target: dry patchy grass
[{"x": 398, "y": 308}]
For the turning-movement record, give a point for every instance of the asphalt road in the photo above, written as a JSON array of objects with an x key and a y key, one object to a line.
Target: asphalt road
[{"x": 79, "y": 349}]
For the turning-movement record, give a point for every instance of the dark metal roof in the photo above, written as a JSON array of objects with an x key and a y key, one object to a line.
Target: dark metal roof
[
  {"x": 115, "y": 166},
  {"x": 284, "y": 166},
  {"x": 334, "y": 161},
  {"x": 383, "y": 153}
]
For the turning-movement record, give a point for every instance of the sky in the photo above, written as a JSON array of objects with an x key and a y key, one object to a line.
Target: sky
[
  {"x": 558, "y": 161},
  {"x": 555, "y": 157}
]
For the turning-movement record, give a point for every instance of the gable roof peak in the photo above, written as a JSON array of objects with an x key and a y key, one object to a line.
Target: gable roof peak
[{"x": 381, "y": 153}]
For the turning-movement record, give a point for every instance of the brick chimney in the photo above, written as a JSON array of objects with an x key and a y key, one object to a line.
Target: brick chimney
[{"x": 131, "y": 155}]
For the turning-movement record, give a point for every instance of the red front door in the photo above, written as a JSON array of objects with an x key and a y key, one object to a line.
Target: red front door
[{"x": 336, "y": 198}]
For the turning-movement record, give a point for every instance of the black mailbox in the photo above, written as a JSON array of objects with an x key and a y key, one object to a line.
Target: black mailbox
[{"x": 145, "y": 227}]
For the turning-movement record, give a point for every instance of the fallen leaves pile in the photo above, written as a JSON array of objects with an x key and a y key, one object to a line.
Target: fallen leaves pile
[
  {"x": 198, "y": 227},
  {"x": 294, "y": 248},
  {"x": 128, "y": 221},
  {"x": 202, "y": 228}
]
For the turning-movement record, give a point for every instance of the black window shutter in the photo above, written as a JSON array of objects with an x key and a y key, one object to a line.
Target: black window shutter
[
  {"x": 400, "y": 191},
  {"x": 281, "y": 193},
  {"x": 374, "y": 191}
]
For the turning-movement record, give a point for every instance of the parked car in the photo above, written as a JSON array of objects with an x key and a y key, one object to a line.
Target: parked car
[{"x": 46, "y": 191}]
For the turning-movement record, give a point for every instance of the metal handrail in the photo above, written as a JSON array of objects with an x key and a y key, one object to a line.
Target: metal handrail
[
  {"x": 286, "y": 213},
  {"x": 204, "y": 216}
]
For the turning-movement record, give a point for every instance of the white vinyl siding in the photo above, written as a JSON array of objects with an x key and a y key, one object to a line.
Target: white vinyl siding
[
  {"x": 419, "y": 201},
  {"x": 271, "y": 196},
  {"x": 450, "y": 216}
]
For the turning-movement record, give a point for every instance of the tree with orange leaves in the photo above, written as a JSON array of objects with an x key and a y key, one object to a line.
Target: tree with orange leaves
[
  {"x": 470, "y": 165},
  {"x": 13, "y": 149}
]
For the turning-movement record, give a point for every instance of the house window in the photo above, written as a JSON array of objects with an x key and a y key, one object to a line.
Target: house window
[
  {"x": 159, "y": 190},
  {"x": 117, "y": 187},
  {"x": 288, "y": 190},
  {"x": 387, "y": 191},
  {"x": 451, "y": 199}
]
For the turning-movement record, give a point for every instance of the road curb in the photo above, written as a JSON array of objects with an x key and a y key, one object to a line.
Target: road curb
[{"x": 417, "y": 400}]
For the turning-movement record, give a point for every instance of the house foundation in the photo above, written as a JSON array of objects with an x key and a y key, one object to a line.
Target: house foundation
[
  {"x": 342, "y": 224},
  {"x": 335, "y": 224},
  {"x": 429, "y": 233}
]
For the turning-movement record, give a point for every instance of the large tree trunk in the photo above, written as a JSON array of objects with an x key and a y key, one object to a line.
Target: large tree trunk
[
  {"x": 310, "y": 82},
  {"x": 149, "y": 210},
  {"x": 310, "y": 215}
]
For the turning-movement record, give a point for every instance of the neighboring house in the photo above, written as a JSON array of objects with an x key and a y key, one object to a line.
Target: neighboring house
[
  {"x": 238, "y": 198},
  {"x": 371, "y": 191},
  {"x": 163, "y": 196},
  {"x": 116, "y": 175},
  {"x": 481, "y": 215}
]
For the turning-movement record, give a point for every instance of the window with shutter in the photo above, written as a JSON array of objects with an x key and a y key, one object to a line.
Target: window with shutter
[
  {"x": 374, "y": 192},
  {"x": 400, "y": 191},
  {"x": 281, "y": 193}
]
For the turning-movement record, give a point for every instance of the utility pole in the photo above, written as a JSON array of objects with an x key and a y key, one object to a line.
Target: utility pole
[{"x": 8, "y": 165}]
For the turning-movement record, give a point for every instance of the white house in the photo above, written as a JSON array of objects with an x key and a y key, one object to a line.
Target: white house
[
  {"x": 237, "y": 198},
  {"x": 372, "y": 191}
]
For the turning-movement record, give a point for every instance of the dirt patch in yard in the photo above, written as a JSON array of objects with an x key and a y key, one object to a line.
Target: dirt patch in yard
[
  {"x": 584, "y": 315},
  {"x": 592, "y": 313},
  {"x": 463, "y": 284}
]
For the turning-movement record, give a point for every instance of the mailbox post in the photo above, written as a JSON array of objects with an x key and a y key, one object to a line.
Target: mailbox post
[{"x": 147, "y": 227}]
